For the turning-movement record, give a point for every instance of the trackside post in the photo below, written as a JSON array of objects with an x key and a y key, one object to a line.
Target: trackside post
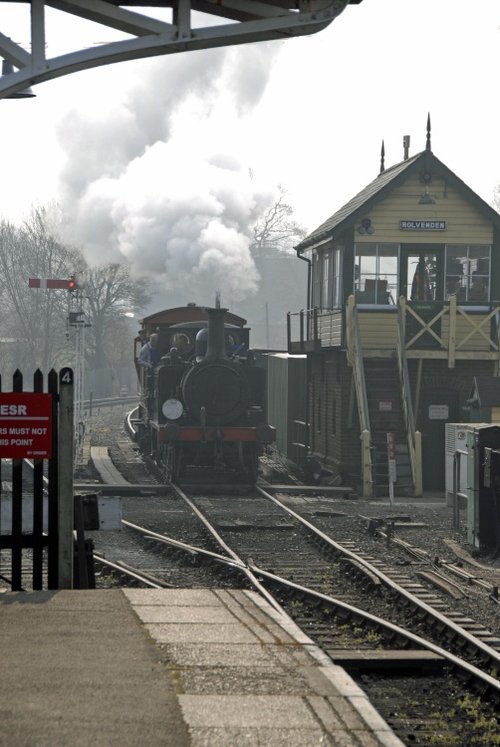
[{"x": 66, "y": 509}]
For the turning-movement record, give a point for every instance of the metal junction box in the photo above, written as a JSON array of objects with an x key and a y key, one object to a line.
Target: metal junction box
[
  {"x": 483, "y": 489},
  {"x": 456, "y": 440}
]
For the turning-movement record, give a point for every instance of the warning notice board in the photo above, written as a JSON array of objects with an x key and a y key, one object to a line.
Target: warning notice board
[{"x": 25, "y": 425}]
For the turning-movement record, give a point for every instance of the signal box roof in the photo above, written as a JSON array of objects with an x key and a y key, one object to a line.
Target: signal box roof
[{"x": 381, "y": 187}]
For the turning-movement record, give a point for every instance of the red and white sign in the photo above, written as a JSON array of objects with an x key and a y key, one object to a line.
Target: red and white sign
[
  {"x": 25, "y": 425},
  {"x": 48, "y": 283},
  {"x": 391, "y": 445}
]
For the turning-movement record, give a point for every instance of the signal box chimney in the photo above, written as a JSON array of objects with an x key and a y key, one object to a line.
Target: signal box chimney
[{"x": 406, "y": 146}]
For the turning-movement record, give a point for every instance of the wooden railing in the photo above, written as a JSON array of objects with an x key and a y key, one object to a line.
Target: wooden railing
[
  {"x": 302, "y": 331},
  {"x": 413, "y": 437},
  {"x": 435, "y": 329},
  {"x": 355, "y": 359},
  {"x": 449, "y": 330}
]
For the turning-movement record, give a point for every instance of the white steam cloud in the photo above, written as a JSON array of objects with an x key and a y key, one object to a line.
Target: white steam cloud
[{"x": 161, "y": 182}]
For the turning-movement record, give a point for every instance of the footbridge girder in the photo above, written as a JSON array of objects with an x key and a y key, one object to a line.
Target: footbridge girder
[{"x": 146, "y": 36}]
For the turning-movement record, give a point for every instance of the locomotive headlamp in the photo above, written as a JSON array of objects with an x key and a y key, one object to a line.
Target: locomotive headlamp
[{"x": 172, "y": 409}]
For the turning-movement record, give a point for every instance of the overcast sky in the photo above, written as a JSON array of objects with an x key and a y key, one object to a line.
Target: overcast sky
[{"x": 128, "y": 149}]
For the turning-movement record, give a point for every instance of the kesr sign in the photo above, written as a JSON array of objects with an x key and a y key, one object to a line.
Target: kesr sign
[{"x": 25, "y": 425}]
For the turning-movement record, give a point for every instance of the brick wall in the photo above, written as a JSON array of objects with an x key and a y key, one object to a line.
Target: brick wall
[
  {"x": 331, "y": 438},
  {"x": 330, "y": 389}
]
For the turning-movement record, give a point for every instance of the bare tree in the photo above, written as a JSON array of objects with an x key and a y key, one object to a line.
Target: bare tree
[
  {"x": 34, "y": 319},
  {"x": 112, "y": 293},
  {"x": 282, "y": 285},
  {"x": 276, "y": 231},
  {"x": 34, "y": 325}
]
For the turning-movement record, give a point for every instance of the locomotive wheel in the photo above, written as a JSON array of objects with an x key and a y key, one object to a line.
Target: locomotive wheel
[
  {"x": 249, "y": 458},
  {"x": 172, "y": 463},
  {"x": 143, "y": 439}
]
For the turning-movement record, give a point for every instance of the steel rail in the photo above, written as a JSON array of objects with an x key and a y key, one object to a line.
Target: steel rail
[
  {"x": 132, "y": 432},
  {"x": 185, "y": 547},
  {"x": 387, "y": 581},
  {"x": 378, "y": 622},
  {"x": 215, "y": 534},
  {"x": 127, "y": 571},
  {"x": 250, "y": 569},
  {"x": 352, "y": 611},
  {"x": 469, "y": 578}
]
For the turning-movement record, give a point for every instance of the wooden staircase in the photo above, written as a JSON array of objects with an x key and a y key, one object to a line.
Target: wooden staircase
[{"x": 386, "y": 415}]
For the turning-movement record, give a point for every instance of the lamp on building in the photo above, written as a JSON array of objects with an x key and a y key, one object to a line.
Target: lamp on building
[
  {"x": 366, "y": 227},
  {"x": 426, "y": 198},
  {"x": 26, "y": 93}
]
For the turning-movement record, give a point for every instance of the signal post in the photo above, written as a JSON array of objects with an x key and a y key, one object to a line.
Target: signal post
[{"x": 76, "y": 320}]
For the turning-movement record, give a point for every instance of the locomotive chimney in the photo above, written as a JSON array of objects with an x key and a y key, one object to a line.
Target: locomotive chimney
[{"x": 216, "y": 345}]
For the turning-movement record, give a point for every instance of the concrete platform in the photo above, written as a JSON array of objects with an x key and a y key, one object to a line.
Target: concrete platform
[{"x": 170, "y": 667}]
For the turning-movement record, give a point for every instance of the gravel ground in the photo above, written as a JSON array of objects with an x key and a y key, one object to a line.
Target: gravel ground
[
  {"x": 432, "y": 537},
  {"x": 432, "y": 513}
]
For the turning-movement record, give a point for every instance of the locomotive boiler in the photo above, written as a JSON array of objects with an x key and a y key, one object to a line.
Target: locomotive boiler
[{"x": 202, "y": 406}]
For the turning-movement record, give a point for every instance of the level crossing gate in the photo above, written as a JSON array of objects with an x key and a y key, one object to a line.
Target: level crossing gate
[{"x": 36, "y": 482}]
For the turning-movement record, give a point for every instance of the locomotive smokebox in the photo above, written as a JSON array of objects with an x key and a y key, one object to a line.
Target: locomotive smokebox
[
  {"x": 216, "y": 345},
  {"x": 216, "y": 383}
]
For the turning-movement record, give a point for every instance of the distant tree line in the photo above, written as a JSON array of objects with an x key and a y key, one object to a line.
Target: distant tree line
[
  {"x": 34, "y": 329},
  {"x": 34, "y": 323}
]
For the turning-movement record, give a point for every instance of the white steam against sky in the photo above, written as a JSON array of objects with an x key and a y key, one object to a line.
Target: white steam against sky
[{"x": 160, "y": 180}]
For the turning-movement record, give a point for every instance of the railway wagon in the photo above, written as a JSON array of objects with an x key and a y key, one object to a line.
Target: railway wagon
[{"x": 202, "y": 400}]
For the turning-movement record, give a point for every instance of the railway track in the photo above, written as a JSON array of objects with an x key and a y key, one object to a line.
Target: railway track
[
  {"x": 366, "y": 644},
  {"x": 226, "y": 541}
]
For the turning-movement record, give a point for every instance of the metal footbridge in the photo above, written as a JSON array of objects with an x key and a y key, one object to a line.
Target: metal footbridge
[{"x": 190, "y": 25}]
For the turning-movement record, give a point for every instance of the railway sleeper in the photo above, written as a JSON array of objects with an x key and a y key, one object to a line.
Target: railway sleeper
[
  {"x": 388, "y": 661},
  {"x": 361, "y": 573},
  {"x": 442, "y": 584}
]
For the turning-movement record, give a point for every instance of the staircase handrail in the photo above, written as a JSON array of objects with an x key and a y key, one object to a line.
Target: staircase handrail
[
  {"x": 355, "y": 359},
  {"x": 412, "y": 435}
]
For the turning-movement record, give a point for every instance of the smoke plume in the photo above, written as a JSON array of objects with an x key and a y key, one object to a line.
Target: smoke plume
[{"x": 161, "y": 181}]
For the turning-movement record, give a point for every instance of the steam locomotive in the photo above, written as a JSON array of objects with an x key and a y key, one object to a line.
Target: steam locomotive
[{"x": 202, "y": 406}]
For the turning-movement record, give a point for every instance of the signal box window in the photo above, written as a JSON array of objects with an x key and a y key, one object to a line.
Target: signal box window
[
  {"x": 326, "y": 279},
  {"x": 468, "y": 273},
  {"x": 376, "y": 273},
  {"x": 422, "y": 276}
]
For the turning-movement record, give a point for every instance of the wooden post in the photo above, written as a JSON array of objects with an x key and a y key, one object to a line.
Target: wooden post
[
  {"x": 452, "y": 333},
  {"x": 66, "y": 520},
  {"x": 391, "y": 463},
  {"x": 366, "y": 464},
  {"x": 418, "y": 463}
]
